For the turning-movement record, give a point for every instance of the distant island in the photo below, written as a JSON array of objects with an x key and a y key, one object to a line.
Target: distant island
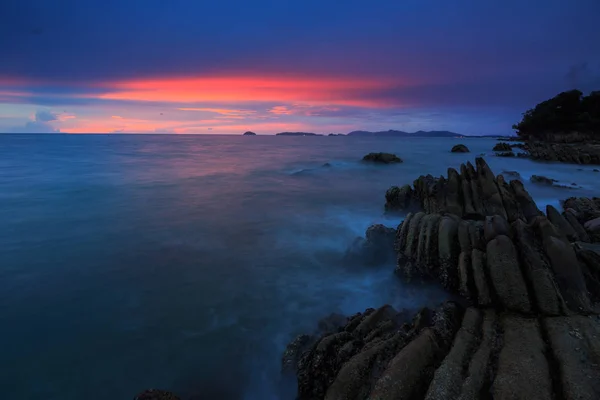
[
  {"x": 390, "y": 133},
  {"x": 249, "y": 134},
  {"x": 394, "y": 133},
  {"x": 297, "y": 134}
]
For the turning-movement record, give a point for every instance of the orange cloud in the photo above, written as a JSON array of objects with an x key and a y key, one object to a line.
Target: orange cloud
[
  {"x": 316, "y": 91},
  {"x": 222, "y": 111},
  {"x": 280, "y": 110},
  {"x": 116, "y": 117}
]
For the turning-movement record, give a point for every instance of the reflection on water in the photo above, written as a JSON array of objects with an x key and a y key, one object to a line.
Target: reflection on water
[{"x": 188, "y": 262}]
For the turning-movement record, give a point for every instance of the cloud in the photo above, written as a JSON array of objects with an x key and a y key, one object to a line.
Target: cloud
[
  {"x": 45, "y": 116},
  {"x": 40, "y": 123},
  {"x": 583, "y": 76}
]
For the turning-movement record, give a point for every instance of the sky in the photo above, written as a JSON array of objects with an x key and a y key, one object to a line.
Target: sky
[{"x": 228, "y": 66}]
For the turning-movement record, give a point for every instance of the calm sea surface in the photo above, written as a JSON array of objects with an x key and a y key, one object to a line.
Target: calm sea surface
[{"x": 188, "y": 262}]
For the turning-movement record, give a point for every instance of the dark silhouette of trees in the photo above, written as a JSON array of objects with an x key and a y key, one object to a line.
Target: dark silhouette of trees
[{"x": 567, "y": 113}]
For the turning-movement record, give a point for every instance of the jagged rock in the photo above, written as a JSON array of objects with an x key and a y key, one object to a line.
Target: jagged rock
[
  {"x": 577, "y": 227},
  {"x": 502, "y": 147},
  {"x": 494, "y": 226},
  {"x": 449, "y": 250},
  {"x": 523, "y": 372},
  {"x": 155, "y": 394},
  {"x": 490, "y": 195},
  {"x": 563, "y": 261},
  {"x": 293, "y": 352},
  {"x": 524, "y": 200},
  {"x": 478, "y": 262},
  {"x": 561, "y": 223},
  {"x": 505, "y": 274},
  {"x": 583, "y": 207},
  {"x": 460, "y": 148},
  {"x": 383, "y": 158},
  {"x": 447, "y": 381},
  {"x": 537, "y": 269},
  {"x": 398, "y": 199},
  {"x": 509, "y": 200},
  {"x": 542, "y": 180},
  {"x": 376, "y": 249},
  {"x": 479, "y": 367},
  {"x": 410, "y": 371}
]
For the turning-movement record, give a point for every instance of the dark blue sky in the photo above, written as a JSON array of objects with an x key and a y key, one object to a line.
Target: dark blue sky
[{"x": 471, "y": 66}]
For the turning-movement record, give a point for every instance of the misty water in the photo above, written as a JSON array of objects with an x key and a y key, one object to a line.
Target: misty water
[{"x": 188, "y": 262}]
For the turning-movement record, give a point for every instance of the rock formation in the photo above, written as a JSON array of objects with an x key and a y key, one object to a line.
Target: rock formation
[
  {"x": 460, "y": 148},
  {"x": 383, "y": 158},
  {"x": 588, "y": 153},
  {"x": 502, "y": 147},
  {"x": 527, "y": 326},
  {"x": 473, "y": 193}
]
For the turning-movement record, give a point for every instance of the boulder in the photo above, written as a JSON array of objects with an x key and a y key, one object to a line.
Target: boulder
[
  {"x": 460, "y": 148},
  {"x": 542, "y": 180},
  {"x": 382, "y": 158},
  {"x": 592, "y": 225},
  {"x": 502, "y": 147}
]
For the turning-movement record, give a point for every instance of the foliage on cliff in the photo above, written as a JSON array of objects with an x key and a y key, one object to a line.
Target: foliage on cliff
[{"x": 566, "y": 113}]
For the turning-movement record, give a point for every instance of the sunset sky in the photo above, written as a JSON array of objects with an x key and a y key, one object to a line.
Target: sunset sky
[{"x": 196, "y": 66}]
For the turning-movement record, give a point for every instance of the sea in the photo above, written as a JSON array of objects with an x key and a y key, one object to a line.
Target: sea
[{"x": 188, "y": 262}]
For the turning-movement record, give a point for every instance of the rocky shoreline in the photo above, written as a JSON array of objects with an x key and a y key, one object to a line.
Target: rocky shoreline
[
  {"x": 526, "y": 324},
  {"x": 525, "y": 319}
]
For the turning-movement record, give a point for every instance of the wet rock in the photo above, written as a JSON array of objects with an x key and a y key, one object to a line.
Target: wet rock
[
  {"x": 155, "y": 394},
  {"x": 382, "y": 158},
  {"x": 537, "y": 270},
  {"x": 523, "y": 372},
  {"x": 448, "y": 251},
  {"x": 577, "y": 227},
  {"x": 447, "y": 381},
  {"x": 575, "y": 346},
  {"x": 494, "y": 226},
  {"x": 293, "y": 352},
  {"x": 502, "y": 147},
  {"x": 490, "y": 195},
  {"x": 584, "y": 208},
  {"x": 399, "y": 198},
  {"x": 376, "y": 249},
  {"x": 511, "y": 174},
  {"x": 478, "y": 262},
  {"x": 565, "y": 266},
  {"x": 524, "y": 200},
  {"x": 327, "y": 165},
  {"x": 593, "y": 225},
  {"x": 505, "y": 154},
  {"x": 583, "y": 153},
  {"x": 460, "y": 148},
  {"x": 505, "y": 274},
  {"x": 561, "y": 223},
  {"x": 479, "y": 367},
  {"x": 542, "y": 180},
  {"x": 596, "y": 170}
]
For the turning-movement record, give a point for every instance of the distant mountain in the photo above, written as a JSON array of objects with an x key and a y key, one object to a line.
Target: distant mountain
[
  {"x": 249, "y": 133},
  {"x": 297, "y": 134},
  {"x": 395, "y": 133}
]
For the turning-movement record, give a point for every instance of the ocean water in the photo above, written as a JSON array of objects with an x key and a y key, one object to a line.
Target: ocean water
[{"x": 188, "y": 262}]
